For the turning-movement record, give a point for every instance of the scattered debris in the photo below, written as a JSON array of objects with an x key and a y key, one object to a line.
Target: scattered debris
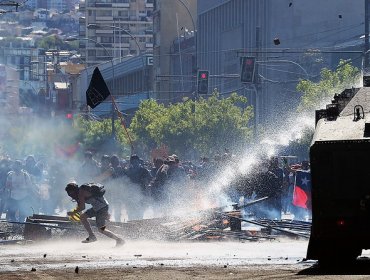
[{"x": 206, "y": 225}]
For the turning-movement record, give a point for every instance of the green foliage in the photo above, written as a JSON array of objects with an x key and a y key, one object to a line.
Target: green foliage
[
  {"x": 98, "y": 135},
  {"x": 315, "y": 93},
  {"x": 94, "y": 133},
  {"x": 52, "y": 42},
  {"x": 14, "y": 41},
  {"x": 204, "y": 126}
]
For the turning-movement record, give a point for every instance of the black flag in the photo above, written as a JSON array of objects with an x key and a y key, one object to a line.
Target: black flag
[{"x": 97, "y": 91}]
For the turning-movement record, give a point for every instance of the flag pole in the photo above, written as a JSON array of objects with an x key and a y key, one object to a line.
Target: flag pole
[{"x": 120, "y": 115}]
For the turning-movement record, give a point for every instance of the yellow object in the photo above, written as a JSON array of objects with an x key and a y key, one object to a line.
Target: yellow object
[{"x": 75, "y": 217}]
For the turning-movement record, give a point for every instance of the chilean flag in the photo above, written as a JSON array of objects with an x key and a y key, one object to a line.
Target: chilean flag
[{"x": 302, "y": 189}]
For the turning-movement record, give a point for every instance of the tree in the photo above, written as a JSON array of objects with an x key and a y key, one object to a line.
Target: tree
[
  {"x": 53, "y": 42},
  {"x": 314, "y": 94},
  {"x": 205, "y": 126}
]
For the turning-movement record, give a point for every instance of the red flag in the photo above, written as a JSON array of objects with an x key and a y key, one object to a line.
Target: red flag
[
  {"x": 66, "y": 151},
  {"x": 302, "y": 189}
]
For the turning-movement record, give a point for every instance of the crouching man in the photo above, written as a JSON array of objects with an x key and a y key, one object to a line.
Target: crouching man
[{"x": 93, "y": 195}]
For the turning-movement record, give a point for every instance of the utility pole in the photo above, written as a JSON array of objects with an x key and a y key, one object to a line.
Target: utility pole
[{"x": 367, "y": 6}]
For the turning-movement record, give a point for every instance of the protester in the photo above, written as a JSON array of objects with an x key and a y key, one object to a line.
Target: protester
[
  {"x": 87, "y": 194},
  {"x": 277, "y": 186},
  {"x": 136, "y": 199},
  {"x": 21, "y": 189},
  {"x": 116, "y": 187},
  {"x": 302, "y": 191}
]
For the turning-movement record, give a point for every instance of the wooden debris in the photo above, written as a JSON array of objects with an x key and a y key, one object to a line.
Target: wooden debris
[{"x": 206, "y": 225}]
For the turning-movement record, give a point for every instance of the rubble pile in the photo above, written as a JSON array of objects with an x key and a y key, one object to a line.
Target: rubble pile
[{"x": 200, "y": 226}]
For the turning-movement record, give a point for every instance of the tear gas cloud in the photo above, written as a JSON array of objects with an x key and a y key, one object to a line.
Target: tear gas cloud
[
  {"x": 52, "y": 141},
  {"x": 49, "y": 140}
]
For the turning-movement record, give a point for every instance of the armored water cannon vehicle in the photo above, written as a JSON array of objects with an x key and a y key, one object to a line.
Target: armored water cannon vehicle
[{"x": 340, "y": 170}]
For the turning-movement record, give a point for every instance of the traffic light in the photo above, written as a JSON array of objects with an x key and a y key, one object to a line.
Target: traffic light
[
  {"x": 248, "y": 66},
  {"x": 202, "y": 81}
]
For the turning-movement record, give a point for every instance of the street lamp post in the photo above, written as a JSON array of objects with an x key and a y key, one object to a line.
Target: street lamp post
[
  {"x": 287, "y": 61},
  {"x": 98, "y": 26},
  {"x": 113, "y": 76},
  {"x": 195, "y": 41},
  {"x": 194, "y": 27}
]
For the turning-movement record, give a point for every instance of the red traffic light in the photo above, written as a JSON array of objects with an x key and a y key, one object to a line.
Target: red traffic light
[
  {"x": 249, "y": 61},
  {"x": 247, "y": 69},
  {"x": 69, "y": 116},
  {"x": 203, "y": 75}
]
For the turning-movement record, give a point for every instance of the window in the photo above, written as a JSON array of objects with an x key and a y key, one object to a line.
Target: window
[
  {"x": 104, "y": 13},
  {"x": 123, "y": 14},
  {"x": 106, "y": 39},
  {"x": 102, "y": 53}
]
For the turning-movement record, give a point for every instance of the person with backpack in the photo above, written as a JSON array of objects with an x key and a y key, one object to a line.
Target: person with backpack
[{"x": 92, "y": 194}]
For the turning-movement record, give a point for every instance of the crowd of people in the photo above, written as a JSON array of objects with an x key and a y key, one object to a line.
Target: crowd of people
[{"x": 133, "y": 185}]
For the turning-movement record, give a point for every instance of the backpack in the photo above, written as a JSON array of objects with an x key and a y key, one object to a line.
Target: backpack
[{"x": 96, "y": 189}]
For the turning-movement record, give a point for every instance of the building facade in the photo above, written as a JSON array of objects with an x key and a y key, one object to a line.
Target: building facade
[
  {"x": 59, "y": 5},
  {"x": 182, "y": 80},
  {"x": 128, "y": 81},
  {"x": 279, "y": 34},
  {"x": 115, "y": 29},
  {"x": 173, "y": 20}
]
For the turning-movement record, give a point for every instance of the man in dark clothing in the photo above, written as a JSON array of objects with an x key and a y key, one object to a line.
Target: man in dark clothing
[
  {"x": 138, "y": 174},
  {"x": 137, "y": 195},
  {"x": 116, "y": 187},
  {"x": 168, "y": 182},
  {"x": 277, "y": 186},
  {"x": 268, "y": 184},
  {"x": 31, "y": 168},
  {"x": 157, "y": 163}
]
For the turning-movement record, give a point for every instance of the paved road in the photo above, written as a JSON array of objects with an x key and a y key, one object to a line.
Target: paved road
[{"x": 161, "y": 260}]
